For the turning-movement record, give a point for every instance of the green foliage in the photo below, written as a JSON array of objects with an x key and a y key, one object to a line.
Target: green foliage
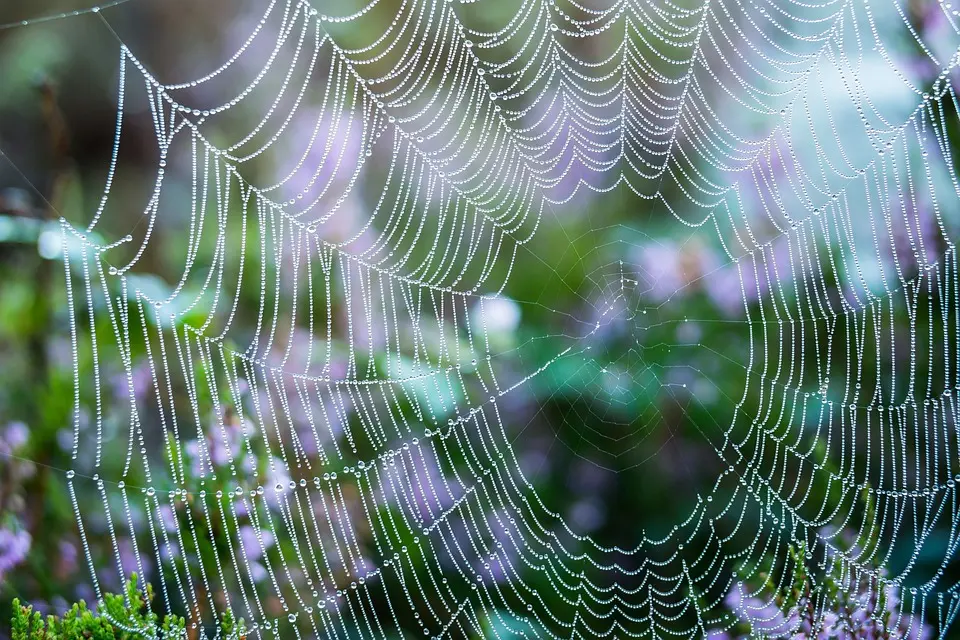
[{"x": 122, "y": 617}]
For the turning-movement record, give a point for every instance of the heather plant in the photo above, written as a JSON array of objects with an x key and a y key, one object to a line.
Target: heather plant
[{"x": 126, "y": 616}]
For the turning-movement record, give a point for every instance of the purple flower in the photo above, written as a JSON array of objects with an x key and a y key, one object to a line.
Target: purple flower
[
  {"x": 16, "y": 435},
  {"x": 660, "y": 269},
  {"x": 278, "y": 479},
  {"x": 68, "y": 557},
  {"x": 252, "y": 544},
  {"x": 58, "y": 605},
  {"x": 257, "y": 572},
  {"x": 86, "y": 593},
  {"x": 139, "y": 380},
  {"x": 40, "y": 606},
  {"x": 130, "y": 560},
  {"x": 65, "y": 439},
  {"x": 14, "y": 546},
  {"x": 169, "y": 518},
  {"x": 225, "y": 444},
  {"x": 763, "y": 616}
]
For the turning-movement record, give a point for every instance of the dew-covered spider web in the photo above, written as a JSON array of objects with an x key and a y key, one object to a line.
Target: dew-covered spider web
[{"x": 331, "y": 414}]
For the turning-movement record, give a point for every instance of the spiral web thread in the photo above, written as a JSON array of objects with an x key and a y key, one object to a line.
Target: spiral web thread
[{"x": 485, "y": 129}]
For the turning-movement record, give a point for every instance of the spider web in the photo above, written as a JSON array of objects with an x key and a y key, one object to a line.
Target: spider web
[{"x": 363, "y": 419}]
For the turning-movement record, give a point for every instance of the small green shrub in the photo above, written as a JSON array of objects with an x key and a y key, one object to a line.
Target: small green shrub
[{"x": 122, "y": 617}]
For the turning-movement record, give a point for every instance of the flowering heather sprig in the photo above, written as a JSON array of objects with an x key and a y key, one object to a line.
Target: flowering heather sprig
[
  {"x": 14, "y": 546},
  {"x": 830, "y": 610}
]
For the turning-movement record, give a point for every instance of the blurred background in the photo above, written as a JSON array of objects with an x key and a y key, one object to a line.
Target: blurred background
[{"x": 619, "y": 436}]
